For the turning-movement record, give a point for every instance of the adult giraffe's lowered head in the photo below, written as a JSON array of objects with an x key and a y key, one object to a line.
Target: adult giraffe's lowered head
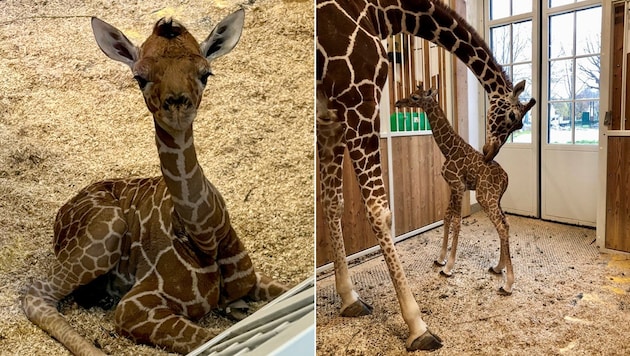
[{"x": 505, "y": 115}]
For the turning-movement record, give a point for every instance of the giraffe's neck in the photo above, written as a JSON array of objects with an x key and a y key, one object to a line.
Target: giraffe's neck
[
  {"x": 435, "y": 22},
  {"x": 196, "y": 201},
  {"x": 443, "y": 133}
]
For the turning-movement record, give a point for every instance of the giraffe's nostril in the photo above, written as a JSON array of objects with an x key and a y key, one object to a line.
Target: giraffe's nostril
[{"x": 176, "y": 101}]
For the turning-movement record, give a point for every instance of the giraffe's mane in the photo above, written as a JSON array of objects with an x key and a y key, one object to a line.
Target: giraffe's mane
[
  {"x": 169, "y": 28},
  {"x": 462, "y": 22}
]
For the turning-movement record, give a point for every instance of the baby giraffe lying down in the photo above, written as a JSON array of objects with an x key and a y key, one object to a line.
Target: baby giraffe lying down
[{"x": 465, "y": 169}]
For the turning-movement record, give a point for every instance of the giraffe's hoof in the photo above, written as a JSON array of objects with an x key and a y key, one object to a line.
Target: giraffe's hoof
[
  {"x": 439, "y": 263},
  {"x": 491, "y": 270},
  {"x": 444, "y": 274},
  {"x": 427, "y": 342},
  {"x": 358, "y": 308},
  {"x": 237, "y": 310},
  {"x": 504, "y": 292}
]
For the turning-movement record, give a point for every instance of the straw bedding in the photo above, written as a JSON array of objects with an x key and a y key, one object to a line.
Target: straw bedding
[{"x": 70, "y": 116}]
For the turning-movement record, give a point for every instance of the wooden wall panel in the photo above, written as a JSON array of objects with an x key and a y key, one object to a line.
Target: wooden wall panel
[
  {"x": 617, "y": 67},
  {"x": 618, "y": 194},
  {"x": 420, "y": 195}
]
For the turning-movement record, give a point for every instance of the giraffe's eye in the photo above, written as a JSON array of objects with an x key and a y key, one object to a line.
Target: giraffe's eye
[
  {"x": 415, "y": 97},
  {"x": 512, "y": 116},
  {"x": 142, "y": 82},
  {"x": 204, "y": 78}
]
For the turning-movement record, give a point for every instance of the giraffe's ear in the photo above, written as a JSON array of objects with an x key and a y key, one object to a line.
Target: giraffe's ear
[
  {"x": 518, "y": 89},
  {"x": 224, "y": 36},
  {"x": 114, "y": 43},
  {"x": 432, "y": 92}
]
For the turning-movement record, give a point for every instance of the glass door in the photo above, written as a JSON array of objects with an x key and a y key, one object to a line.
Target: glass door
[
  {"x": 570, "y": 110},
  {"x": 511, "y": 35},
  {"x": 555, "y": 46}
]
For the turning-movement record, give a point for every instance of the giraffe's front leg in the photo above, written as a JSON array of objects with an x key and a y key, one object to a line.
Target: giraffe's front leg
[
  {"x": 239, "y": 279},
  {"x": 364, "y": 149},
  {"x": 499, "y": 220},
  {"x": 238, "y": 276},
  {"x": 147, "y": 317},
  {"x": 448, "y": 218}
]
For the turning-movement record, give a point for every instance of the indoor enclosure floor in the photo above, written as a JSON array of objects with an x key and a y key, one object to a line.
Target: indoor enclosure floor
[{"x": 568, "y": 298}]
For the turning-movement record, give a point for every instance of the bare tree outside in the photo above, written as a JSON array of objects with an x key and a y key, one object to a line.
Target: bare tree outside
[{"x": 574, "y": 71}]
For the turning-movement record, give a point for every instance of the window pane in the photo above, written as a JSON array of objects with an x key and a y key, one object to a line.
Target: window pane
[
  {"x": 521, "y": 7},
  {"x": 524, "y": 135},
  {"x": 561, "y": 35},
  {"x": 559, "y": 124},
  {"x": 587, "y": 77},
  {"x": 500, "y": 43},
  {"x": 524, "y": 72},
  {"x": 586, "y": 122},
  {"x": 508, "y": 70},
  {"x": 553, "y": 3},
  {"x": 522, "y": 46},
  {"x": 499, "y": 9},
  {"x": 588, "y": 31},
  {"x": 561, "y": 79}
]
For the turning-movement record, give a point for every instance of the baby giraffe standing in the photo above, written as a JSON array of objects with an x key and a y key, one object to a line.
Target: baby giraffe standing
[{"x": 465, "y": 169}]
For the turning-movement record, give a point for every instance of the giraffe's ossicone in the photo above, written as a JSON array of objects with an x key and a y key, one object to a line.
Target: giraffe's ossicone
[{"x": 161, "y": 249}]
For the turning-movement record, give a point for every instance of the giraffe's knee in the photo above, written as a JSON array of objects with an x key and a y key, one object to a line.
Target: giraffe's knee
[
  {"x": 34, "y": 302},
  {"x": 266, "y": 288},
  {"x": 333, "y": 204},
  {"x": 380, "y": 216},
  {"x": 335, "y": 208}
]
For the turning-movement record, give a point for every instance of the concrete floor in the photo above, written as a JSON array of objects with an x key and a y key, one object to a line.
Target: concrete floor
[{"x": 568, "y": 298}]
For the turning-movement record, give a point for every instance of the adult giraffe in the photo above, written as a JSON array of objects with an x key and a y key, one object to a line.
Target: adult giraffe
[
  {"x": 163, "y": 245},
  {"x": 352, "y": 67}
]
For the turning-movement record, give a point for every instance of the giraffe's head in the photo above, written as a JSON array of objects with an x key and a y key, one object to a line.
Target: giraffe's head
[
  {"x": 418, "y": 99},
  {"x": 505, "y": 115},
  {"x": 171, "y": 67}
]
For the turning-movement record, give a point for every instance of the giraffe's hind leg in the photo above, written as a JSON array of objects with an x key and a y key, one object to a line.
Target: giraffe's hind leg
[
  {"x": 455, "y": 213},
  {"x": 330, "y": 149},
  {"x": 86, "y": 249},
  {"x": 496, "y": 215}
]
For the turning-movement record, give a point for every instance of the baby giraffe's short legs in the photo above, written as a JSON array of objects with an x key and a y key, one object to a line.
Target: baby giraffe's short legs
[
  {"x": 501, "y": 224},
  {"x": 441, "y": 260},
  {"x": 453, "y": 220},
  {"x": 266, "y": 288}
]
